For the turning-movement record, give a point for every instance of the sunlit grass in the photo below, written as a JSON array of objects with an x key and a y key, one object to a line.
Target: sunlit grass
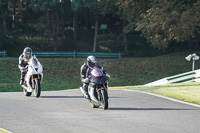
[
  {"x": 187, "y": 93},
  {"x": 3, "y": 131},
  {"x": 167, "y": 85}
]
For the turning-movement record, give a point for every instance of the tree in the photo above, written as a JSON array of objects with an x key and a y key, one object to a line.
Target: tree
[
  {"x": 162, "y": 21},
  {"x": 51, "y": 23},
  {"x": 101, "y": 7},
  {"x": 3, "y": 14}
]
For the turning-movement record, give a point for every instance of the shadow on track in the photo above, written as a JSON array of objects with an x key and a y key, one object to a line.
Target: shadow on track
[
  {"x": 147, "y": 109},
  {"x": 61, "y": 97},
  {"x": 70, "y": 97}
]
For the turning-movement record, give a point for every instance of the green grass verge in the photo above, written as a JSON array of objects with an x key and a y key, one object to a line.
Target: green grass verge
[
  {"x": 156, "y": 86},
  {"x": 64, "y": 73},
  {"x": 3, "y": 131},
  {"x": 187, "y": 93}
]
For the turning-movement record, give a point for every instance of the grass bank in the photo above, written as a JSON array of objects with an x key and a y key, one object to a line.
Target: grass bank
[
  {"x": 3, "y": 131},
  {"x": 63, "y": 73},
  {"x": 187, "y": 93}
]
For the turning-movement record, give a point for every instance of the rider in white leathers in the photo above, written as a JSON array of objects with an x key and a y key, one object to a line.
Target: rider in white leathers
[{"x": 23, "y": 62}]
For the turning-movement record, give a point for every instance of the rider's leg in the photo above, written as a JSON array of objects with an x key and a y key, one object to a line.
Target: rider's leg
[
  {"x": 85, "y": 88},
  {"x": 22, "y": 78}
]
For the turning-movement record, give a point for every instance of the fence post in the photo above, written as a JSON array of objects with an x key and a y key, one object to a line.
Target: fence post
[
  {"x": 74, "y": 54},
  {"x": 4, "y": 54}
]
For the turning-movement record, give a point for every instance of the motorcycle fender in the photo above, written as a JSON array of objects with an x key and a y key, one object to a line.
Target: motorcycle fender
[
  {"x": 41, "y": 77},
  {"x": 102, "y": 88},
  {"x": 29, "y": 88},
  {"x": 92, "y": 97}
]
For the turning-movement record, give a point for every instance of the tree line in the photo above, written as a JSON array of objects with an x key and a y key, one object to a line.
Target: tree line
[{"x": 133, "y": 27}]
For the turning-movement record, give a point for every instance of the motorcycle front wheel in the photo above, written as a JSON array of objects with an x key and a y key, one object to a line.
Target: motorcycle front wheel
[
  {"x": 104, "y": 99},
  {"x": 37, "y": 90}
]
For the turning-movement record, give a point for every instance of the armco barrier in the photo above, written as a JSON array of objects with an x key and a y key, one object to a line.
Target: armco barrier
[
  {"x": 3, "y": 53},
  {"x": 77, "y": 54},
  {"x": 192, "y": 76}
]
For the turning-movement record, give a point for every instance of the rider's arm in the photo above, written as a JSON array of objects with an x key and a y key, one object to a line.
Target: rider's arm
[
  {"x": 34, "y": 57},
  {"x": 83, "y": 72},
  {"x": 20, "y": 62},
  {"x": 99, "y": 66},
  {"x": 104, "y": 71}
]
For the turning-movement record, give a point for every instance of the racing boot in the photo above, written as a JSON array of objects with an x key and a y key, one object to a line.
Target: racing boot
[{"x": 21, "y": 81}]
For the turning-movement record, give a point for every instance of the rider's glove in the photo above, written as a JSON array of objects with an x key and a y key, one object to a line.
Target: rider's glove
[
  {"x": 86, "y": 80},
  {"x": 24, "y": 69},
  {"x": 107, "y": 75}
]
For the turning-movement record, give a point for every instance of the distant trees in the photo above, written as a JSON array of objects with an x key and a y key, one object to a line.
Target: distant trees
[
  {"x": 67, "y": 25},
  {"x": 163, "y": 21}
]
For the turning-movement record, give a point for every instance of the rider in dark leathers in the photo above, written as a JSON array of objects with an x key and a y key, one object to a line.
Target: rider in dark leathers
[{"x": 86, "y": 68}]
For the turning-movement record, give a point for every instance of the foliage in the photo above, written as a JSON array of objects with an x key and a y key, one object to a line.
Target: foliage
[
  {"x": 69, "y": 25},
  {"x": 42, "y": 5},
  {"x": 161, "y": 21}
]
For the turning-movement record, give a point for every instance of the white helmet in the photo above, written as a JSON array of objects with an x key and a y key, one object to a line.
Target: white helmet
[
  {"x": 27, "y": 53},
  {"x": 91, "y": 61}
]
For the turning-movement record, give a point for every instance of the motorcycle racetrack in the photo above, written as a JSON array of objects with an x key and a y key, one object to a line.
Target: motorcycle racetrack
[{"x": 69, "y": 112}]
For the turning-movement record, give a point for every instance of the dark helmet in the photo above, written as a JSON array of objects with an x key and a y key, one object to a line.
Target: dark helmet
[
  {"x": 91, "y": 61},
  {"x": 27, "y": 53}
]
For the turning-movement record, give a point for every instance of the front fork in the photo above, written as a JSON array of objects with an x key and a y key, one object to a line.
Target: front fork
[
  {"x": 98, "y": 90},
  {"x": 33, "y": 80}
]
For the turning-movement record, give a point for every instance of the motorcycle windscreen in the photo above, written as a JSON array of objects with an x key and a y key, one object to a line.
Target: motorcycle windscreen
[
  {"x": 96, "y": 72},
  {"x": 34, "y": 62},
  {"x": 98, "y": 80}
]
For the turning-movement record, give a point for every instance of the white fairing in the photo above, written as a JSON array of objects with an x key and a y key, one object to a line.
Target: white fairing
[
  {"x": 93, "y": 99},
  {"x": 34, "y": 68}
]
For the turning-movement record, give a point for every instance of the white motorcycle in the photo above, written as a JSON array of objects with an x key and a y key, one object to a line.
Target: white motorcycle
[{"x": 33, "y": 78}]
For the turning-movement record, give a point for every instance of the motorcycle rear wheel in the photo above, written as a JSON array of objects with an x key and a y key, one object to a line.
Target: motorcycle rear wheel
[{"x": 104, "y": 99}]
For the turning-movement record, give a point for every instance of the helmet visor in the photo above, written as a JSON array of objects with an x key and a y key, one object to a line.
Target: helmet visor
[
  {"x": 91, "y": 64},
  {"x": 28, "y": 55}
]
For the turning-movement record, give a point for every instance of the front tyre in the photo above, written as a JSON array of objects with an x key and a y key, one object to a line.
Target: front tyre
[
  {"x": 37, "y": 90},
  {"x": 93, "y": 106},
  {"x": 28, "y": 94},
  {"x": 104, "y": 99}
]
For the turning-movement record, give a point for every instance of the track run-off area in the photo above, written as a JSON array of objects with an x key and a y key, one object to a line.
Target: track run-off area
[{"x": 68, "y": 112}]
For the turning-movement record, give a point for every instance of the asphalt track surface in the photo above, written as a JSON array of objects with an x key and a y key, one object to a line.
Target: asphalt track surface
[{"x": 69, "y": 112}]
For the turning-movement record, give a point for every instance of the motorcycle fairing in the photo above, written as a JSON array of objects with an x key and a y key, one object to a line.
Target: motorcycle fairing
[
  {"x": 92, "y": 96},
  {"x": 97, "y": 72},
  {"x": 34, "y": 69}
]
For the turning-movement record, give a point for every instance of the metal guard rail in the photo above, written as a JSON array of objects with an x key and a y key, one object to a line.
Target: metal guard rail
[
  {"x": 3, "y": 53},
  {"x": 77, "y": 54}
]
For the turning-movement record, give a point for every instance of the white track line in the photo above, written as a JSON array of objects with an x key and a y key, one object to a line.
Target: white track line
[
  {"x": 5, "y": 130},
  {"x": 171, "y": 99}
]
